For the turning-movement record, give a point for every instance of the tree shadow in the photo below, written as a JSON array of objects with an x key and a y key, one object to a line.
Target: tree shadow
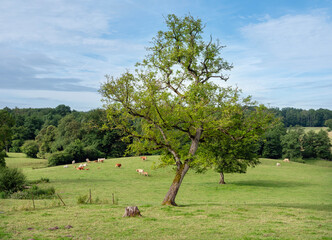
[
  {"x": 270, "y": 183},
  {"x": 316, "y": 207}
]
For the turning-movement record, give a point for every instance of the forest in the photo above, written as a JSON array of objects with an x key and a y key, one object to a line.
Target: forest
[{"x": 61, "y": 134}]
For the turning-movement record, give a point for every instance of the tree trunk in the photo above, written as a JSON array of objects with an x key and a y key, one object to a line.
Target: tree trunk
[
  {"x": 181, "y": 171},
  {"x": 222, "y": 179},
  {"x": 173, "y": 190},
  {"x": 132, "y": 211}
]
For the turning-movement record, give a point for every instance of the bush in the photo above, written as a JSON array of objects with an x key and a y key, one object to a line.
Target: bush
[
  {"x": 30, "y": 148},
  {"x": 11, "y": 180},
  {"x": 93, "y": 153},
  {"x": 35, "y": 192},
  {"x": 59, "y": 158},
  {"x": 2, "y": 159},
  {"x": 75, "y": 149},
  {"x": 16, "y": 145}
]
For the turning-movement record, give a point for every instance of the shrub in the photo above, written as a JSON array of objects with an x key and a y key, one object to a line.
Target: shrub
[
  {"x": 11, "y": 180},
  {"x": 2, "y": 159},
  {"x": 59, "y": 158},
  {"x": 35, "y": 192},
  {"x": 30, "y": 148},
  {"x": 16, "y": 145},
  {"x": 75, "y": 149},
  {"x": 93, "y": 153}
]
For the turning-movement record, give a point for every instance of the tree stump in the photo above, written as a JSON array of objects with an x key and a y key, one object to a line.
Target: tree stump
[{"x": 132, "y": 211}]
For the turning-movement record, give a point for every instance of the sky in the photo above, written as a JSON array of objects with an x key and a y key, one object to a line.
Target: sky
[{"x": 56, "y": 52}]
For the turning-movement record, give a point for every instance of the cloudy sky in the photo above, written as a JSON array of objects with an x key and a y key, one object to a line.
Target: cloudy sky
[{"x": 58, "y": 51}]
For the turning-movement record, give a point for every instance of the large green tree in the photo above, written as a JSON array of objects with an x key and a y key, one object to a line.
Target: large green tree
[
  {"x": 176, "y": 98},
  {"x": 6, "y": 124}
]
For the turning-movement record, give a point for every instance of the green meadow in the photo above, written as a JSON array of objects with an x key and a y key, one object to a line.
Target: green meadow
[{"x": 293, "y": 201}]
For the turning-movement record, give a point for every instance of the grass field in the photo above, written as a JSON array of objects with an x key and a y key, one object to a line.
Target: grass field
[{"x": 293, "y": 201}]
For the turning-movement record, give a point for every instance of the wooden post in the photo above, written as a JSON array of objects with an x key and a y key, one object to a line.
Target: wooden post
[
  {"x": 113, "y": 198},
  {"x": 61, "y": 199},
  {"x": 33, "y": 202},
  {"x": 90, "y": 196}
]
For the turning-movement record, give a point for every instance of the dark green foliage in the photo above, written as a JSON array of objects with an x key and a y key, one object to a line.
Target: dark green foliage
[
  {"x": 309, "y": 144},
  {"x": 291, "y": 143},
  {"x": 30, "y": 148},
  {"x": 92, "y": 153},
  {"x": 6, "y": 124},
  {"x": 16, "y": 145},
  {"x": 59, "y": 158},
  {"x": 68, "y": 130},
  {"x": 11, "y": 180},
  {"x": 304, "y": 118},
  {"x": 75, "y": 149},
  {"x": 272, "y": 142},
  {"x": 323, "y": 146},
  {"x": 316, "y": 145},
  {"x": 328, "y": 123},
  {"x": 45, "y": 139},
  {"x": 2, "y": 158}
]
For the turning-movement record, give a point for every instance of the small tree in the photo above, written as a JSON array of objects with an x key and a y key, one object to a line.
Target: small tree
[
  {"x": 328, "y": 123},
  {"x": 272, "y": 142},
  {"x": 11, "y": 180},
  {"x": 291, "y": 143},
  {"x": 323, "y": 146},
  {"x": 309, "y": 145},
  {"x": 173, "y": 97},
  {"x": 2, "y": 158},
  {"x": 30, "y": 148}
]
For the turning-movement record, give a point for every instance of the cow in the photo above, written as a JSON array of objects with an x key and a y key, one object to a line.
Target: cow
[
  {"x": 143, "y": 158},
  {"x": 278, "y": 164},
  {"x": 140, "y": 171},
  {"x": 145, "y": 174},
  {"x": 118, "y": 165},
  {"x": 286, "y": 160}
]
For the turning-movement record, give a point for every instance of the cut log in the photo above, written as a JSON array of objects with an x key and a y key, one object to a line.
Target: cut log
[{"x": 132, "y": 211}]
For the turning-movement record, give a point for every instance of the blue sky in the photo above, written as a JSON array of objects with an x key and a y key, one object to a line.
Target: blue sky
[{"x": 58, "y": 51}]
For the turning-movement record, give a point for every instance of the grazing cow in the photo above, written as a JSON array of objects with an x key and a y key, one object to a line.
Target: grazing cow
[
  {"x": 101, "y": 160},
  {"x": 65, "y": 166},
  {"x": 278, "y": 164},
  {"x": 73, "y": 162},
  {"x": 95, "y": 160},
  {"x": 145, "y": 174},
  {"x": 87, "y": 160},
  {"x": 118, "y": 165},
  {"x": 286, "y": 160},
  {"x": 140, "y": 171},
  {"x": 143, "y": 158}
]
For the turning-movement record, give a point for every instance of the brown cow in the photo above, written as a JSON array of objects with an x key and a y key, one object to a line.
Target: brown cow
[
  {"x": 143, "y": 158},
  {"x": 118, "y": 165},
  {"x": 145, "y": 174}
]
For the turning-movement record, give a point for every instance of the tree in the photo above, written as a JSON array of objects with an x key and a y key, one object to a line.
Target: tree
[
  {"x": 323, "y": 146},
  {"x": 45, "y": 139},
  {"x": 6, "y": 124},
  {"x": 309, "y": 145},
  {"x": 272, "y": 143},
  {"x": 328, "y": 123},
  {"x": 173, "y": 97},
  {"x": 291, "y": 143},
  {"x": 30, "y": 148}
]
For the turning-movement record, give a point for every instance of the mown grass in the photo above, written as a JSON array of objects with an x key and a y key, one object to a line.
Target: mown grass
[{"x": 293, "y": 201}]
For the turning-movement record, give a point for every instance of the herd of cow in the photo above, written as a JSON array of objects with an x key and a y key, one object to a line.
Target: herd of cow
[{"x": 101, "y": 160}]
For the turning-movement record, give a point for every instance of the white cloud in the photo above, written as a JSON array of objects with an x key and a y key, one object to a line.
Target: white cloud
[{"x": 286, "y": 60}]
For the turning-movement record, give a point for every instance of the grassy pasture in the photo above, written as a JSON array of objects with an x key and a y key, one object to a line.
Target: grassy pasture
[{"x": 293, "y": 201}]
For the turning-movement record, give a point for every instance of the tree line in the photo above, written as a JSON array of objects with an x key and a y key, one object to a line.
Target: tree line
[{"x": 59, "y": 134}]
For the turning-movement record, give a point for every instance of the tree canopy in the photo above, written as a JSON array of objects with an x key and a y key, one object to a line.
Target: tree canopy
[{"x": 176, "y": 97}]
